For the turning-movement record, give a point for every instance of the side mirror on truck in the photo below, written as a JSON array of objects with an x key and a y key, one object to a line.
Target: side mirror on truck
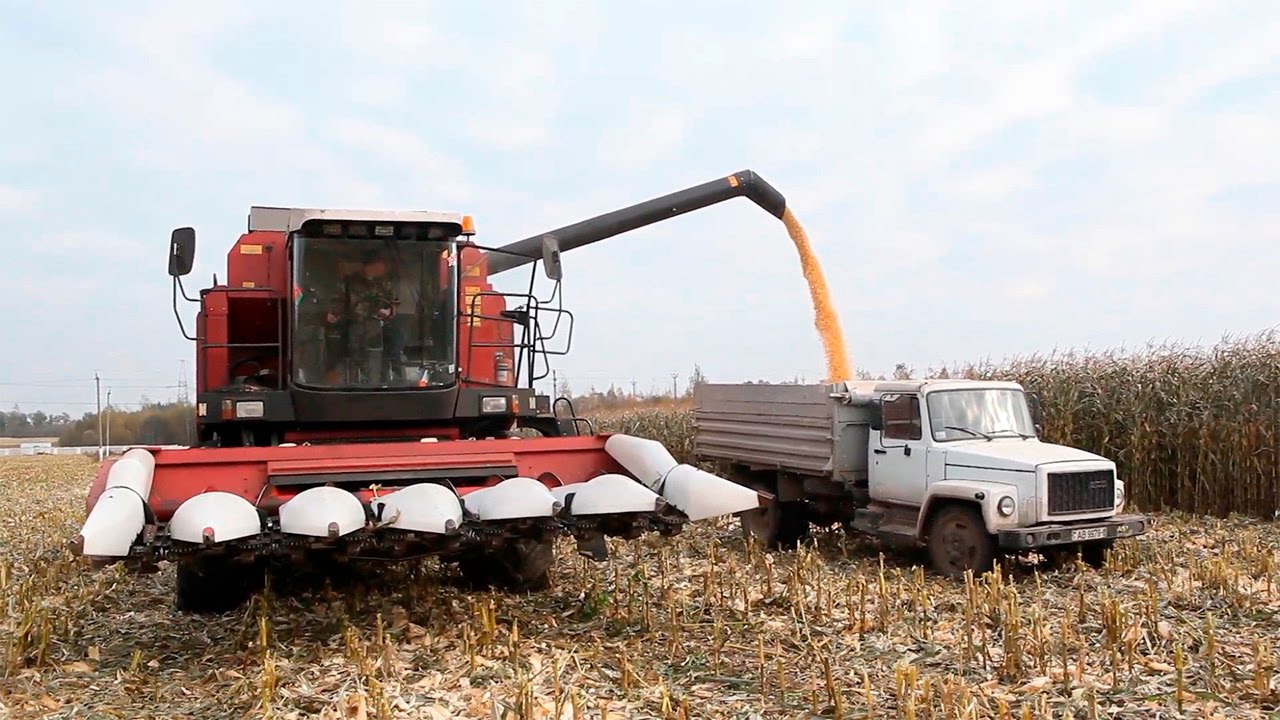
[
  {"x": 877, "y": 415},
  {"x": 1037, "y": 411}
]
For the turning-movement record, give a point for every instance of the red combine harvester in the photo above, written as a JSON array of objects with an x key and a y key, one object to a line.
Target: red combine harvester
[{"x": 364, "y": 393}]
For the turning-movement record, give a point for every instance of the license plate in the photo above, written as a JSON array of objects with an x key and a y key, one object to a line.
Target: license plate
[{"x": 1089, "y": 534}]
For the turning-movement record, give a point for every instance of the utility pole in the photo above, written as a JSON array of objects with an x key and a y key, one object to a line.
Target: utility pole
[
  {"x": 108, "y": 442},
  {"x": 97, "y": 392},
  {"x": 555, "y": 385},
  {"x": 184, "y": 393},
  {"x": 673, "y": 385},
  {"x": 633, "y": 388}
]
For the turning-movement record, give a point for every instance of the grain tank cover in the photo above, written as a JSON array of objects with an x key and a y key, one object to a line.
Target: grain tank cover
[{"x": 276, "y": 219}]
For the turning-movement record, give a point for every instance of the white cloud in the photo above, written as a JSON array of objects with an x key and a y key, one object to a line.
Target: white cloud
[
  {"x": 1009, "y": 158},
  {"x": 650, "y": 135},
  {"x": 16, "y": 200},
  {"x": 1242, "y": 57}
]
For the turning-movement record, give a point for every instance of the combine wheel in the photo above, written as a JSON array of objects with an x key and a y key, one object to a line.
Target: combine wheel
[
  {"x": 520, "y": 566},
  {"x": 959, "y": 541},
  {"x": 214, "y": 584}
]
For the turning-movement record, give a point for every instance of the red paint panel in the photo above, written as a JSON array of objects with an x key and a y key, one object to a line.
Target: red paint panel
[
  {"x": 259, "y": 259},
  {"x": 181, "y": 474},
  {"x": 308, "y": 467}
]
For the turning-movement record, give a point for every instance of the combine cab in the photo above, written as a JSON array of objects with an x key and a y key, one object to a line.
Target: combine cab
[{"x": 364, "y": 392}]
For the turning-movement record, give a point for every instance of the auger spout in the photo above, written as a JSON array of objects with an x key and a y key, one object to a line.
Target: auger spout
[{"x": 745, "y": 184}]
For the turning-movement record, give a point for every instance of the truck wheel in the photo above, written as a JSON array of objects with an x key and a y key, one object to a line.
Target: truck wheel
[
  {"x": 214, "y": 584},
  {"x": 777, "y": 525},
  {"x": 959, "y": 541},
  {"x": 520, "y": 566}
]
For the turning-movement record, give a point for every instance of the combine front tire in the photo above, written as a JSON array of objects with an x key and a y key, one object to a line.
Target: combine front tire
[
  {"x": 214, "y": 584},
  {"x": 520, "y": 566}
]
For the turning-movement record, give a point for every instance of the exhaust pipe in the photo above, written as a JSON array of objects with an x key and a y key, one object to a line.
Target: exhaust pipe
[
  {"x": 696, "y": 493},
  {"x": 120, "y": 513}
]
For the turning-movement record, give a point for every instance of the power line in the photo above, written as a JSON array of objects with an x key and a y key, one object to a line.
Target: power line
[
  {"x": 85, "y": 384},
  {"x": 137, "y": 403}
]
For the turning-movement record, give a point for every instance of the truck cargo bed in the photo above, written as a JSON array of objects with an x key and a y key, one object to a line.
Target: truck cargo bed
[{"x": 792, "y": 428}]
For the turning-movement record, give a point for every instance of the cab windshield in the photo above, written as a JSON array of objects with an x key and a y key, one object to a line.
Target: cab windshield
[
  {"x": 979, "y": 414},
  {"x": 374, "y": 312}
]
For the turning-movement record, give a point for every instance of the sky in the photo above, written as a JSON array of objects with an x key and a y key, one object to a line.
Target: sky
[{"x": 979, "y": 180}]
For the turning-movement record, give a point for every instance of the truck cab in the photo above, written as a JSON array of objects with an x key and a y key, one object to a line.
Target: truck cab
[
  {"x": 954, "y": 459},
  {"x": 955, "y": 465}
]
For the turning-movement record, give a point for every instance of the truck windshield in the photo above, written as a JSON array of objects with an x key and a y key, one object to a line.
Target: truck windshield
[
  {"x": 970, "y": 414},
  {"x": 373, "y": 312}
]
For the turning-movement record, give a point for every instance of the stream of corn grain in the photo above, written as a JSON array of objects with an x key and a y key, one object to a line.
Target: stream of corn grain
[{"x": 825, "y": 318}]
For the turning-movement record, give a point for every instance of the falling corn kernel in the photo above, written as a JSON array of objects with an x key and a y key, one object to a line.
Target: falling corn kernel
[{"x": 825, "y": 318}]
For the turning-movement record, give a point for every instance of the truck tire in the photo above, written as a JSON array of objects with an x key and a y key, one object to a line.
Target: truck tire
[
  {"x": 958, "y": 541},
  {"x": 522, "y": 565},
  {"x": 214, "y": 584},
  {"x": 777, "y": 525}
]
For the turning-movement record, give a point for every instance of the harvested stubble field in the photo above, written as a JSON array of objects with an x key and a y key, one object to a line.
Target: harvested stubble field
[{"x": 1181, "y": 624}]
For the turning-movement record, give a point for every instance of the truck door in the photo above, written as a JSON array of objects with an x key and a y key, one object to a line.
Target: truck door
[{"x": 898, "y": 453}]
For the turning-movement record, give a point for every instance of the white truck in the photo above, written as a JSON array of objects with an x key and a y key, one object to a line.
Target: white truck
[{"x": 955, "y": 465}]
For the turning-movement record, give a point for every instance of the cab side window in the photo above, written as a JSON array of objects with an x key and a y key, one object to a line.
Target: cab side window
[{"x": 902, "y": 418}]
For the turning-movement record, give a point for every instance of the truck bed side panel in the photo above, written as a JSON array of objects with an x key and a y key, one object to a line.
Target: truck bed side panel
[{"x": 784, "y": 427}]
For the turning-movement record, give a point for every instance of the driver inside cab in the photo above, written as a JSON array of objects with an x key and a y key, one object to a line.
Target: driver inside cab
[{"x": 368, "y": 308}]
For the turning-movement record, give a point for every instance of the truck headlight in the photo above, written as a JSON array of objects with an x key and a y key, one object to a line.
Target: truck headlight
[
  {"x": 1006, "y": 506},
  {"x": 1119, "y": 496}
]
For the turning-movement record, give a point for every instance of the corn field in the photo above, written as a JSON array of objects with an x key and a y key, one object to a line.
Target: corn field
[
  {"x": 1194, "y": 429},
  {"x": 1180, "y": 624}
]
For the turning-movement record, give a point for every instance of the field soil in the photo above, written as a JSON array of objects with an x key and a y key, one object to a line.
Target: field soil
[{"x": 1181, "y": 623}]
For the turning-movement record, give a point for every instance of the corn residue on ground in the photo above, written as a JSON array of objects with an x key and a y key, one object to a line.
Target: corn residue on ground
[
  {"x": 825, "y": 318},
  {"x": 1180, "y": 624}
]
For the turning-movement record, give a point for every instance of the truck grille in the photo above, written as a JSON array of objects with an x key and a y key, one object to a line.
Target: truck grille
[{"x": 1078, "y": 492}]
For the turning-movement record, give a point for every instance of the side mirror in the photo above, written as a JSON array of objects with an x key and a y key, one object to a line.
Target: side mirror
[
  {"x": 551, "y": 257},
  {"x": 877, "y": 415},
  {"x": 1037, "y": 411},
  {"x": 182, "y": 251}
]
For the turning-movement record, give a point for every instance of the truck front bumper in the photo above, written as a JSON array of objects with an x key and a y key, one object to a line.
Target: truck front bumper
[{"x": 1119, "y": 526}]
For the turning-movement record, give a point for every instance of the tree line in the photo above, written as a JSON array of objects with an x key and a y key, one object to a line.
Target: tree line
[{"x": 167, "y": 423}]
